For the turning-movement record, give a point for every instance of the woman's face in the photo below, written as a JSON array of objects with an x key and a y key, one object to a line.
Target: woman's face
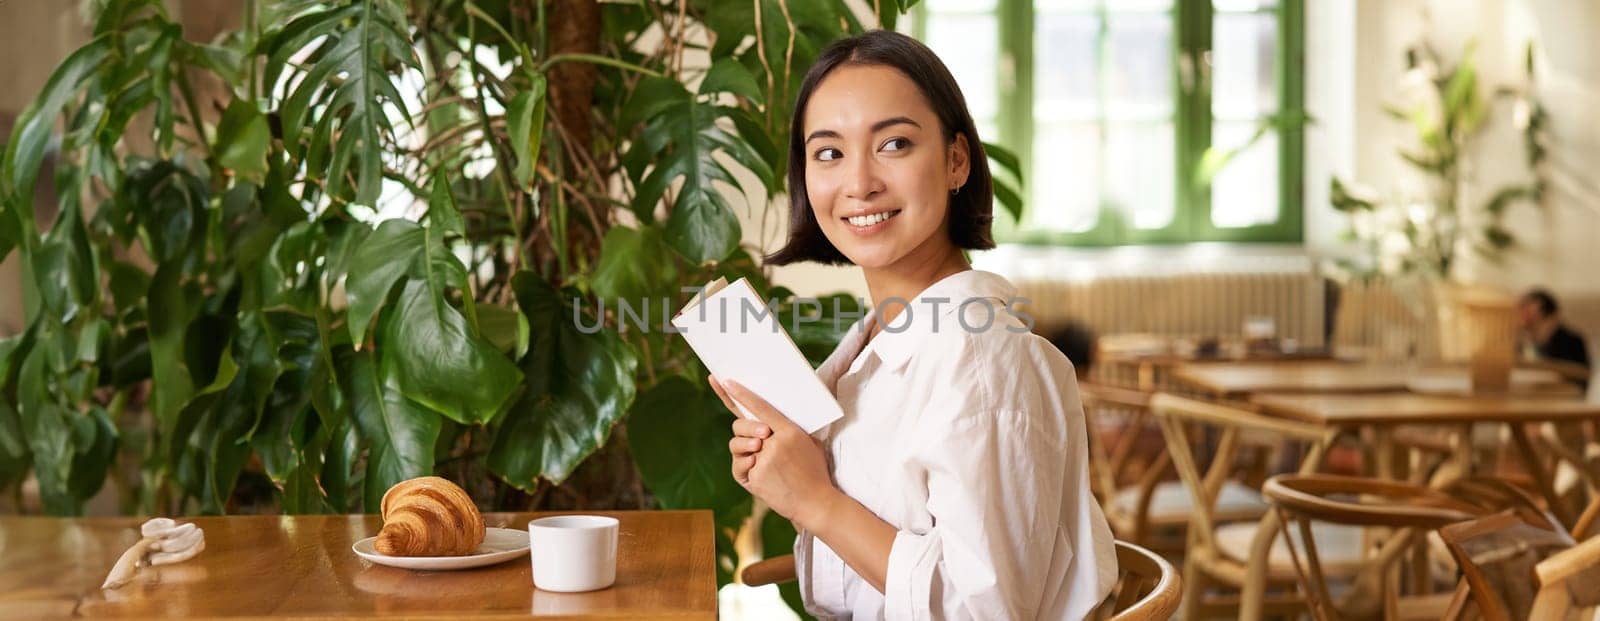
[{"x": 878, "y": 171}]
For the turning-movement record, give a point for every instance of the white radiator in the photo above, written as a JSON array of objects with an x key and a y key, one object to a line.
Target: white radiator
[{"x": 1193, "y": 305}]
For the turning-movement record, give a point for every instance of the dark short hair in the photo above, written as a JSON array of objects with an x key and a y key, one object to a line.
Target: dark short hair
[
  {"x": 1547, "y": 303},
  {"x": 971, "y": 207},
  {"x": 1076, "y": 341}
]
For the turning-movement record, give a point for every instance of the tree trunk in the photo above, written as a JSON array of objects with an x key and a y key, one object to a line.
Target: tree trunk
[{"x": 574, "y": 28}]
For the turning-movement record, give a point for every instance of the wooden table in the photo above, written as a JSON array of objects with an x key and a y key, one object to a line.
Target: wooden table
[
  {"x": 1401, "y": 408},
  {"x": 1148, "y": 360},
  {"x": 1235, "y": 380},
  {"x": 1383, "y": 412},
  {"x": 302, "y": 567}
]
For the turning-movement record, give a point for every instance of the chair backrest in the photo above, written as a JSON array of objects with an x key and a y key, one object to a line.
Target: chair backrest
[
  {"x": 1585, "y": 527},
  {"x": 1110, "y": 463},
  {"x": 1148, "y": 588},
  {"x": 1410, "y": 511},
  {"x": 1497, "y": 555},
  {"x": 1361, "y": 501},
  {"x": 1567, "y": 581},
  {"x": 775, "y": 570},
  {"x": 1181, "y": 418}
]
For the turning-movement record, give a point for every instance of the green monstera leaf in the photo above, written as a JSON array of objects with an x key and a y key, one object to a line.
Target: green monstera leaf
[
  {"x": 430, "y": 353},
  {"x": 680, "y": 137},
  {"x": 400, "y": 432},
  {"x": 242, "y": 141},
  {"x": 579, "y": 386},
  {"x": 638, "y": 268},
  {"x": 335, "y": 117},
  {"x": 397, "y": 250},
  {"x": 430, "y": 350},
  {"x": 679, "y": 435},
  {"x": 278, "y": 436},
  {"x": 212, "y": 439}
]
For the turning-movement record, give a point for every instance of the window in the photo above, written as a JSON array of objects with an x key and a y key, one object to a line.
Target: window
[{"x": 1121, "y": 110}]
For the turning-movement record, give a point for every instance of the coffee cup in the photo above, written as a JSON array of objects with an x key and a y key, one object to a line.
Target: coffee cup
[{"x": 573, "y": 553}]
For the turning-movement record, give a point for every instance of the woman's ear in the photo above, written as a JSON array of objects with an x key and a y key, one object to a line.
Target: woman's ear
[{"x": 959, "y": 162}]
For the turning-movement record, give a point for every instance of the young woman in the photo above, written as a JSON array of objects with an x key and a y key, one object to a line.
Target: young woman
[{"x": 956, "y": 485}]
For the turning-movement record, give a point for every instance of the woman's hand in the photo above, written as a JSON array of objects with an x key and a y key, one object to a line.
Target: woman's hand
[
  {"x": 747, "y": 436},
  {"x": 776, "y": 460}
]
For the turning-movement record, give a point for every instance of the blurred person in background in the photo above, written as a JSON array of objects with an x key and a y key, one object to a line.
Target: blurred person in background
[{"x": 1544, "y": 333}]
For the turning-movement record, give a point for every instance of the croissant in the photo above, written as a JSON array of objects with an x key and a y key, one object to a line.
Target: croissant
[{"x": 429, "y": 516}]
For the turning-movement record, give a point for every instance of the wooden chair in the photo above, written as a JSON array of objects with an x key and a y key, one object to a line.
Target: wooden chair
[
  {"x": 1567, "y": 582},
  {"x": 1148, "y": 587},
  {"x": 1405, "y": 512},
  {"x": 775, "y": 570},
  {"x": 1146, "y": 506},
  {"x": 1517, "y": 567},
  {"x": 1222, "y": 553}
]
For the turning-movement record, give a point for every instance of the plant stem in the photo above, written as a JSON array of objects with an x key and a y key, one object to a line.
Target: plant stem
[
  {"x": 194, "y": 115},
  {"x": 598, "y": 60},
  {"x": 251, "y": 37},
  {"x": 683, "y": 27}
]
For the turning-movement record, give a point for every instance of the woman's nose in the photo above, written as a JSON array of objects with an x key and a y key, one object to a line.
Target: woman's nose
[{"x": 863, "y": 180}]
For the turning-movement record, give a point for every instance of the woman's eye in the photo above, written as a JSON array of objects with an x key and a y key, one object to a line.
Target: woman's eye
[
  {"x": 896, "y": 144},
  {"x": 828, "y": 154}
]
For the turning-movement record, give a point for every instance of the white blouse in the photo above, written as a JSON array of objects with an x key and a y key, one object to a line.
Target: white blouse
[{"x": 967, "y": 435}]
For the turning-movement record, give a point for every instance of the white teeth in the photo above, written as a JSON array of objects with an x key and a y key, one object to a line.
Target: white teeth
[{"x": 869, "y": 220}]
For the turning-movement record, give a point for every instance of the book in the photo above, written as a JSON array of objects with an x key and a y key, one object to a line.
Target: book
[{"x": 738, "y": 337}]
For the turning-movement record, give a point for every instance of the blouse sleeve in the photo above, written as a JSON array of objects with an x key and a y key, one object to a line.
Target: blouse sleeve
[
  {"x": 997, "y": 537},
  {"x": 1008, "y": 493}
]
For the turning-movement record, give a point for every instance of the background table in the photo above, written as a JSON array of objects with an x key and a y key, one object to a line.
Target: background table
[
  {"x": 1383, "y": 412},
  {"x": 1147, "y": 361},
  {"x": 1238, "y": 379},
  {"x": 302, "y": 567}
]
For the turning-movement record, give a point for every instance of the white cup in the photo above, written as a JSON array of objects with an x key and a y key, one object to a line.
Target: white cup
[{"x": 573, "y": 553}]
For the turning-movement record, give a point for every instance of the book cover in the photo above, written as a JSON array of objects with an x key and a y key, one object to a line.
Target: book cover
[{"x": 738, "y": 337}]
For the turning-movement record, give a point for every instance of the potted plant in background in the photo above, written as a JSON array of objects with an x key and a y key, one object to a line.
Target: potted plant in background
[
  {"x": 1413, "y": 244},
  {"x": 356, "y": 241}
]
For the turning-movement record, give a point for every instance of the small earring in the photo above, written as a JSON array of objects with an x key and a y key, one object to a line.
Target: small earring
[{"x": 954, "y": 190}]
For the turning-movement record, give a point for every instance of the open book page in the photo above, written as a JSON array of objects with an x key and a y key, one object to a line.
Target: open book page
[{"x": 739, "y": 338}]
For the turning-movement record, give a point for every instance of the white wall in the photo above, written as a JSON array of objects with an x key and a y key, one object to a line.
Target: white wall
[{"x": 1354, "y": 138}]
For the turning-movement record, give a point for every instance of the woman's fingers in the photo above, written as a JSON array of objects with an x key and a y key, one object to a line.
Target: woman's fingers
[
  {"x": 750, "y": 428},
  {"x": 756, "y": 405},
  {"x": 727, "y": 402},
  {"x": 741, "y": 468},
  {"x": 744, "y": 446}
]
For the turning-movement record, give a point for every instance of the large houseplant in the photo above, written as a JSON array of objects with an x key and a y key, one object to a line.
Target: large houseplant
[
  {"x": 355, "y": 241},
  {"x": 1425, "y": 235}
]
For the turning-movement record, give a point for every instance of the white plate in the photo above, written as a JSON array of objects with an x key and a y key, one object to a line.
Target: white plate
[{"x": 499, "y": 545}]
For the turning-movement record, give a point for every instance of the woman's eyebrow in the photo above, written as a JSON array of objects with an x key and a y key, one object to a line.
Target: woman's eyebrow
[
  {"x": 876, "y": 127},
  {"x": 821, "y": 133}
]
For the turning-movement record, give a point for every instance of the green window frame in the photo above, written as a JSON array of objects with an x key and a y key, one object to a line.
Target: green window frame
[{"x": 1192, "y": 218}]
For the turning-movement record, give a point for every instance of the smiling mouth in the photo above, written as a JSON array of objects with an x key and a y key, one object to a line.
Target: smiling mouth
[{"x": 871, "y": 219}]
